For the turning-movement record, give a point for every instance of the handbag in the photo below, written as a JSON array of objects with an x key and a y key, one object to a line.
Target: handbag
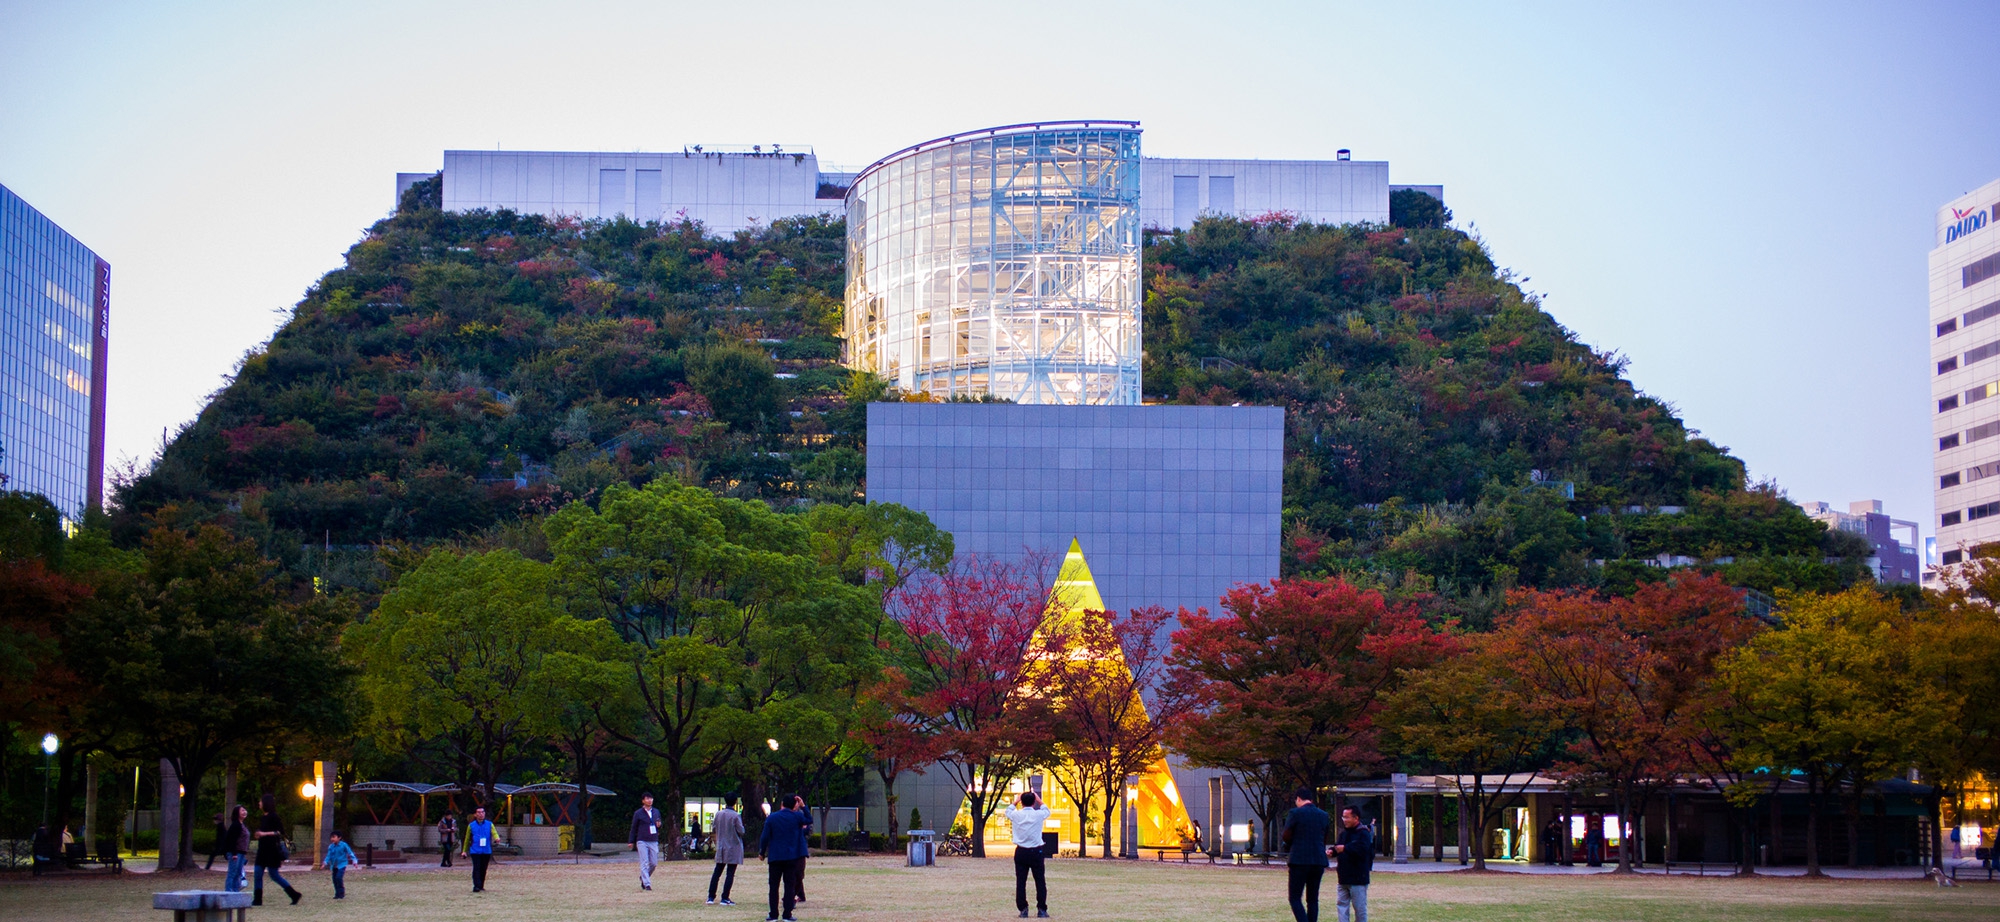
[{"x": 284, "y": 849}]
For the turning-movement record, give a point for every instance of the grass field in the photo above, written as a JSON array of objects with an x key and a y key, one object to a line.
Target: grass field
[{"x": 880, "y": 889}]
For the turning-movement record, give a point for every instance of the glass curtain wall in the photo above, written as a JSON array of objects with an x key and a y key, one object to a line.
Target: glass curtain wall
[
  {"x": 54, "y": 310},
  {"x": 1003, "y": 262}
]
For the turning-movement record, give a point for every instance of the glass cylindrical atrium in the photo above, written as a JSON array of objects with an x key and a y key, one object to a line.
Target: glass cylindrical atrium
[{"x": 1002, "y": 262}]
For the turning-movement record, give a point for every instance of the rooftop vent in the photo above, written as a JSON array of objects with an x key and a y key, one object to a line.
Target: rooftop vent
[{"x": 1344, "y": 154}]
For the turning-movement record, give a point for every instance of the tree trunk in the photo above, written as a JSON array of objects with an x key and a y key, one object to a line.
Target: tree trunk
[
  {"x": 1112, "y": 803},
  {"x": 1851, "y": 808},
  {"x": 1745, "y": 820},
  {"x": 1934, "y": 804},
  {"x": 1812, "y": 827},
  {"x": 753, "y": 813},
  {"x": 979, "y": 826},
  {"x": 676, "y": 811},
  {"x": 1478, "y": 822},
  {"x": 889, "y": 799},
  {"x": 1624, "y": 821},
  {"x": 582, "y": 841},
  {"x": 190, "y": 773}
]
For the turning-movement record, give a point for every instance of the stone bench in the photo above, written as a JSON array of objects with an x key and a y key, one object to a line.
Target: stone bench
[{"x": 204, "y": 905}]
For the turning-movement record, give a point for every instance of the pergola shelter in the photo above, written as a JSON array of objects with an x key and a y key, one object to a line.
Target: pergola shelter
[{"x": 400, "y": 814}]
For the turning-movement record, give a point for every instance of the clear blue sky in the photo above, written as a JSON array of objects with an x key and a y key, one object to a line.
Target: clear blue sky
[{"x": 1738, "y": 197}]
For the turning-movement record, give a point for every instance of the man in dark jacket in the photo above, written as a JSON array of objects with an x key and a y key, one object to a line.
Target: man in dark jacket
[
  {"x": 1305, "y": 836},
  {"x": 782, "y": 844},
  {"x": 1354, "y": 853},
  {"x": 646, "y": 839}
]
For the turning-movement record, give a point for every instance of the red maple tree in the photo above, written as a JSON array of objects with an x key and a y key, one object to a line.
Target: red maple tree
[
  {"x": 1627, "y": 676},
  {"x": 1283, "y": 689},
  {"x": 1108, "y": 730},
  {"x": 973, "y": 644}
]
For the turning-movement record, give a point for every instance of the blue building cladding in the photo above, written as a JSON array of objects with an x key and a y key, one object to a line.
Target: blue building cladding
[
  {"x": 54, "y": 324},
  {"x": 1173, "y": 505}
]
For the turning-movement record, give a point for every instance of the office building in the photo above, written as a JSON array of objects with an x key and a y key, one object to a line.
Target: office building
[
  {"x": 1965, "y": 341},
  {"x": 734, "y": 188},
  {"x": 726, "y": 190},
  {"x": 1895, "y": 558},
  {"x": 1169, "y": 505},
  {"x": 55, "y": 321}
]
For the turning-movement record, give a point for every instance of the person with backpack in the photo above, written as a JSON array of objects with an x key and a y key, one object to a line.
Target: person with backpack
[
  {"x": 1354, "y": 857},
  {"x": 271, "y": 852}
]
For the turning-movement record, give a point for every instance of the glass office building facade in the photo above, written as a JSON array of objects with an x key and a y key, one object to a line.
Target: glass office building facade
[
  {"x": 1001, "y": 262},
  {"x": 55, "y": 309}
]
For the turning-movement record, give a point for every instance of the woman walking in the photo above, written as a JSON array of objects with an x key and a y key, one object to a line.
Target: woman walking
[
  {"x": 271, "y": 852},
  {"x": 729, "y": 832},
  {"x": 236, "y": 848}
]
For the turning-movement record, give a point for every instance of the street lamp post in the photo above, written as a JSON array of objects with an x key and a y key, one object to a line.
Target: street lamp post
[{"x": 49, "y": 746}]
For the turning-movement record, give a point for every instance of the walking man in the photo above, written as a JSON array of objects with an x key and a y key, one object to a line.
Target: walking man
[
  {"x": 1305, "y": 837},
  {"x": 1028, "y": 817},
  {"x": 646, "y": 839},
  {"x": 447, "y": 836},
  {"x": 479, "y": 847},
  {"x": 1354, "y": 855},
  {"x": 782, "y": 844},
  {"x": 805, "y": 846},
  {"x": 728, "y": 849},
  {"x": 1593, "y": 841}
]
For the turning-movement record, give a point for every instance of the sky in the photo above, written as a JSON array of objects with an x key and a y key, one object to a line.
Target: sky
[{"x": 1736, "y": 197}]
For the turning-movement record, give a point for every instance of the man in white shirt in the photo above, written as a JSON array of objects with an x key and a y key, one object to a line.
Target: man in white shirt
[{"x": 1028, "y": 818}]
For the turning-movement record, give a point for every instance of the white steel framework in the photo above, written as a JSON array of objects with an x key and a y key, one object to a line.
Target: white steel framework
[{"x": 1002, "y": 262}]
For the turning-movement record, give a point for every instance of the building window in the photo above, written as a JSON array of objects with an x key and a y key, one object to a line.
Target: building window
[
  {"x": 1949, "y": 518},
  {"x": 1950, "y": 364},
  {"x": 1981, "y": 393},
  {"x": 1982, "y": 471},
  {"x": 1982, "y": 510},
  {"x": 1952, "y": 557},
  {"x": 1981, "y": 313},
  {"x": 1948, "y": 480},
  {"x": 1949, "y": 441},
  {"x": 1982, "y": 431},
  {"x": 1187, "y": 201},
  {"x": 1976, "y": 272},
  {"x": 1982, "y": 353},
  {"x": 1948, "y": 326},
  {"x": 1222, "y": 194},
  {"x": 1949, "y": 403}
]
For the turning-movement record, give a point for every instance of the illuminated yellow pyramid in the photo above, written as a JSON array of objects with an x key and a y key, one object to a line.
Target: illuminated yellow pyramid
[{"x": 1162, "y": 818}]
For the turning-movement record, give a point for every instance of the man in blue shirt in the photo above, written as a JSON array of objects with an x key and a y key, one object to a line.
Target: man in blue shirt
[
  {"x": 782, "y": 844},
  {"x": 1305, "y": 836},
  {"x": 1354, "y": 852},
  {"x": 479, "y": 847},
  {"x": 646, "y": 839}
]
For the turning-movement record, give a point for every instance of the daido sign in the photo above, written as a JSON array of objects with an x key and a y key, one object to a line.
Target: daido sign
[{"x": 1967, "y": 221}]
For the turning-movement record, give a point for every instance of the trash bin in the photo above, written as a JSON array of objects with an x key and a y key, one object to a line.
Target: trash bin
[
  {"x": 1050, "y": 845},
  {"x": 923, "y": 848}
]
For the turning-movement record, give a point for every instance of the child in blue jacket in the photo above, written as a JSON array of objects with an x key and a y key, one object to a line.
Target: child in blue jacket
[{"x": 338, "y": 857}]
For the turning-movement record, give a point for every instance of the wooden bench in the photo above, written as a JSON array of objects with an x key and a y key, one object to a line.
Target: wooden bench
[{"x": 205, "y": 905}]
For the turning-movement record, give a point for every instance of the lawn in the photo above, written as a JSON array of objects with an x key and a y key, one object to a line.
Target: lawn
[{"x": 879, "y": 889}]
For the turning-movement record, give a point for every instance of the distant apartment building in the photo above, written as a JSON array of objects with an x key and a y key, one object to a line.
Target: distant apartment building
[
  {"x": 1965, "y": 341},
  {"x": 55, "y": 319},
  {"x": 734, "y": 188},
  {"x": 1895, "y": 559}
]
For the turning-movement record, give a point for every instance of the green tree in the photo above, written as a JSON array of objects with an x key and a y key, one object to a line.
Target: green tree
[
  {"x": 453, "y": 655},
  {"x": 1823, "y": 698},
  {"x": 739, "y": 383},
  {"x": 199, "y": 654}
]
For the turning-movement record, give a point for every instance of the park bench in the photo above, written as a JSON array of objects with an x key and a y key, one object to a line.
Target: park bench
[
  {"x": 204, "y": 905},
  {"x": 106, "y": 857}
]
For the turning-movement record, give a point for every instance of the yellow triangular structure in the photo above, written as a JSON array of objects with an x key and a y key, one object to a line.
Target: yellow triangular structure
[{"x": 1163, "y": 820}]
